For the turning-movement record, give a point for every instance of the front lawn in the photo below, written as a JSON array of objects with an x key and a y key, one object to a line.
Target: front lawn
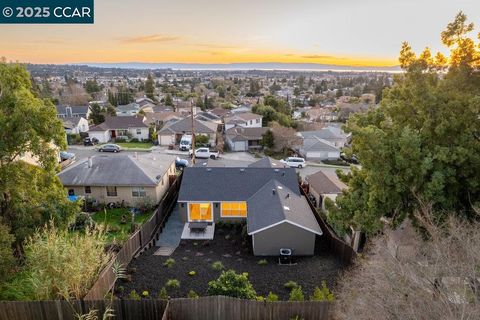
[
  {"x": 135, "y": 145},
  {"x": 194, "y": 263},
  {"x": 116, "y": 228}
]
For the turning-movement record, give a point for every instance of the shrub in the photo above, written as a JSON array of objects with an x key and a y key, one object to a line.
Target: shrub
[
  {"x": 7, "y": 260},
  {"x": 217, "y": 266},
  {"x": 173, "y": 283},
  {"x": 262, "y": 262},
  {"x": 82, "y": 221},
  {"x": 162, "y": 294},
  {"x": 78, "y": 256},
  {"x": 145, "y": 294},
  {"x": 296, "y": 294},
  {"x": 192, "y": 294},
  {"x": 134, "y": 295},
  {"x": 290, "y": 285},
  {"x": 260, "y": 298},
  {"x": 232, "y": 285},
  {"x": 272, "y": 297},
  {"x": 323, "y": 294},
  {"x": 192, "y": 273},
  {"x": 169, "y": 263}
]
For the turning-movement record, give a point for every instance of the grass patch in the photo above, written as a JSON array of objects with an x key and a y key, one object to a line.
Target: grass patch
[
  {"x": 112, "y": 221},
  {"x": 136, "y": 145}
]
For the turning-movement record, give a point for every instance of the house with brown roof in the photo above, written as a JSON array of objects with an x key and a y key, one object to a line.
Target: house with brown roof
[
  {"x": 322, "y": 187},
  {"x": 244, "y": 139},
  {"x": 162, "y": 118},
  {"x": 173, "y": 132},
  {"x": 126, "y": 127}
]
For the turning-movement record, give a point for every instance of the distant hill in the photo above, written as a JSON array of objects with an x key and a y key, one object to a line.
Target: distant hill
[{"x": 241, "y": 66}]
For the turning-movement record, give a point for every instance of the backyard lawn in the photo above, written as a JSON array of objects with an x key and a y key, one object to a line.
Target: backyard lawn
[
  {"x": 112, "y": 220},
  {"x": 195, "y": 263},
  {"x": 136, "y": 145}
]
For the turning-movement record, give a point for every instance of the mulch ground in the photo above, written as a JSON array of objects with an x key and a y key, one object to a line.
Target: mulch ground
[{"x": 147, "y": 272}]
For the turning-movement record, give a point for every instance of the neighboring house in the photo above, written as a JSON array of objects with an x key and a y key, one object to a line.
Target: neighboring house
[
  {"x": 242, "y": 109},
  {"x": 75, "y": 125},
  {"x": 130, "y": 109},
  {"x": 267, "y": 162},
  {"x": 244, "y": 139},
  {"x": 121, "y": 178},
  {"x": 321, "y": 187},
  {"x": 208, "y": 116},
  {"x": 73, "y": 111},
  {"x": 246, "y": 120},
  {"x": 126, "y": 127},
  {"x": 268, "y": 199},
  {"x": 172, "y": 133},
  {"x": 146, "y": 104},
  {"x": 333, "y": 135},
  {"x": 162, "y": 108},
  {"x": 220, "y": 112},
  {"x": 162, "y": 118},
  {"x": 316, "y": 149}
]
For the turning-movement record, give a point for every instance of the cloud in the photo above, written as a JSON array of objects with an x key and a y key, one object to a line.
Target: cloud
[
  {"x": 150, "y": 39},
  {"x": 317, "y": 56}
]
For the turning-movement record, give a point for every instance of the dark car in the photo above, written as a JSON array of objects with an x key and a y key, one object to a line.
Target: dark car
[
  {"x": 90, "y": 141},
  {"x": 110, "y": 147},
  {"x": 181, "y": 163}
]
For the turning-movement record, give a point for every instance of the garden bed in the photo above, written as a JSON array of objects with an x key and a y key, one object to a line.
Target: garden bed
[{"x": 148, "y": 272}]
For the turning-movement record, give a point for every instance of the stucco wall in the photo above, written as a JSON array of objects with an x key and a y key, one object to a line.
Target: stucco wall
[{"x": 285, "y": 235}]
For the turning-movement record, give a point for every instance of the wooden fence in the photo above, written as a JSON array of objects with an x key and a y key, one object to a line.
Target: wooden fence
[
  {"x": 142, "y": 239},
  {"x": 204, "y": 308},
  {"x": 337, "y": 246}
]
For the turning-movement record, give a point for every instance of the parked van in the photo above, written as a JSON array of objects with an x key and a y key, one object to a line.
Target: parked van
[
  {"x": 185, "y": 142},
  {"x": 294, "y": 162}
]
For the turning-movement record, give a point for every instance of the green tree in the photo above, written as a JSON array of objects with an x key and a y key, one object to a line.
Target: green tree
[
  {"x": 96, "y": 114},
  {"x": 150, "y": 87},
  {"x": 268, "y": 140},
  {"x": 422, "y": 144},
  {"x": 91, "y": 86},
  {"x": 168, "y": 100},
  {"x": 232, "y": 285},
  {"x": 268, "y": 113},
  {"x": 7, "y": 261}
]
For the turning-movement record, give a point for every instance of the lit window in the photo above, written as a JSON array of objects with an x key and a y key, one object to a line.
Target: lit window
[
  {"x": 200, "y": 211},
  {"x": 139, "y": 192},
  {"x": 111, "y": 191},
  {"x": 234, "y": 209}
]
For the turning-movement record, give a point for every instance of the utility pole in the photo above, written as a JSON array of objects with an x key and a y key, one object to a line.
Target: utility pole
[{"x": 193, "y": 134}]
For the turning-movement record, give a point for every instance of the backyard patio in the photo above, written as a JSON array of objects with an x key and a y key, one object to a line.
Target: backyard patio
[{"x": 196, "y": 262}]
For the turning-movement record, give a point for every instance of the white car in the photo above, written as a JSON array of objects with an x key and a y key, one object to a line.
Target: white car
[
  {"x": 204, "y": 153},
  {"x": 294, "y": 162}
]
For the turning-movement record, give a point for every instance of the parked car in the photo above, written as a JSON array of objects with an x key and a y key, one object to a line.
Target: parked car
[
  {"x": 294, "y": 162},
  {"x": 205, "y": 153},
  {"x": 110, "y": 147},
  {"x": 64, "y": 155},
  {"x": 181, "y": 163},
  {"x": 90, "y": 141}
]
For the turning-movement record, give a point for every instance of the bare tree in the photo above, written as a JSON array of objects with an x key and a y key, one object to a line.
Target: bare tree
[
  {"x": 284, "y": 137},
  {"x": 403, "y": 276}
]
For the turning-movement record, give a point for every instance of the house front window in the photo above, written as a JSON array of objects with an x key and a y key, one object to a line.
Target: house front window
[
  {"x": 258, "y": 120},
  {"x": 139, "y": 131},
  {"x": 122, "y": 132},
  {"x": 88, "y": 190},
  {"x": 111, "y": 191},
  {"x": 139, "y": 192},
  {"x": 200, "y": 211},
  {"x": 71, "y": 192},
  {"x": 234, "y": 209}
]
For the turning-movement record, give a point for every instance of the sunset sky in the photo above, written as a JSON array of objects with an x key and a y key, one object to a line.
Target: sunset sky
[{"x": 343, "y": 32}]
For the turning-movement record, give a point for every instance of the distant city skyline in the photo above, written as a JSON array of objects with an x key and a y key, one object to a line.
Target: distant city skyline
[{"x": 344, "y": 32}]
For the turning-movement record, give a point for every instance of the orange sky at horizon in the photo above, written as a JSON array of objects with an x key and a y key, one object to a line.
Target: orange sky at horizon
[{"x": 346, "y": 33}]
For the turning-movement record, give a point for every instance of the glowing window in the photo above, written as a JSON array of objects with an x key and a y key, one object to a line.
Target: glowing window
[
  {"x": 234, "y": 209},
  {"x": 200, "y": 211}
]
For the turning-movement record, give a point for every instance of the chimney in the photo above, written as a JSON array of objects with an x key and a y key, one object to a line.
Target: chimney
[
  {"x": 90, "y": 162},
  {"x": 273, "y": 191}
]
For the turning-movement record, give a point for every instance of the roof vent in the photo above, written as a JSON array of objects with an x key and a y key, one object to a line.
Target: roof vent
[
  {"x": 242, "y": 170},
  {"x": 286, "y": 208},
  {"x": 287, "y": 196},
  {"x": 280, "y": 187},
  {"x": 273, "y": 191},
  {"x": 283, "y": 174}
]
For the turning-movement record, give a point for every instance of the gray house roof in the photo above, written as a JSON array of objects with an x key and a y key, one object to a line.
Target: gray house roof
[
  {"x": 275, "y": 203},
  {"x": 76, "y": 110},
  {"x": 267, "y": 162},
  {"x": 185, "y": 125},
  {"x": 245, "y": 134},
  {"x": 322, "y": 184},
  {"x": 128, "y": 107},
  {"x": 120, "y": 170},
  {"x": 231, "y": 184},
  {"x": 317, "y": 144},
  {"x": 125, "y": 122}
]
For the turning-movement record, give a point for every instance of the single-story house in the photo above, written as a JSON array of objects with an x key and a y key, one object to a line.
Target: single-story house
[
  {"x": 146, "y": 104},
  {"x": 220, "y": 112},
  {"x": 120, "y": 127},
  {"x": 244, "y": 139},
  {"x": 244, "y": 119},
  {"x": 173, "y": 132},
  {"x": 316, "y": 149},
  {"x": 331, "y": 134},
  {"x": 130, "y": 109},
  {"x": 321, "y": 187},
  {"x": 268, "y": 199},
  {"x": 75, "y": 125},
  {"x": 73, "y": 111},
  {"x": 120, "y": 178},
  {"x": 162, "y": 118}
]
